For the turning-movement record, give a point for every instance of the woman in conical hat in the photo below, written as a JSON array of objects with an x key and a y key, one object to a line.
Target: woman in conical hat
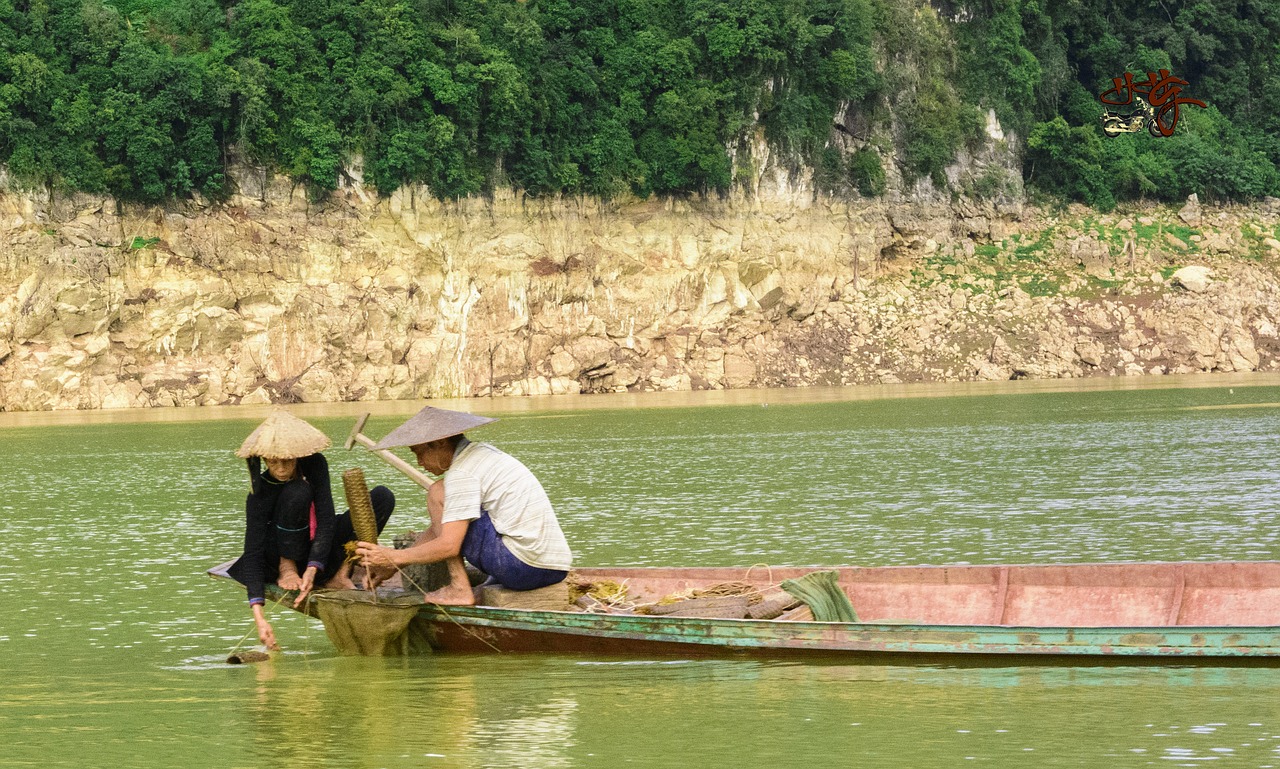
[{"x": 292, "y": 536}]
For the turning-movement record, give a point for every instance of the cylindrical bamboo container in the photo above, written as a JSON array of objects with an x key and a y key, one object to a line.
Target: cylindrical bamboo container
[{"x": 362, "y": 517}]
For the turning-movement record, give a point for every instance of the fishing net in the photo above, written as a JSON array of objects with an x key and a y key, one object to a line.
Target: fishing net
[
  {"x": 823, "y": 596},
  {"x": 359, "y": 626}
]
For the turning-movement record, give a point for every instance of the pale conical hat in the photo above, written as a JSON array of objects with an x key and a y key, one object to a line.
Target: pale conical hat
[
  {"x": 283, "y": 436},
  {"x": 431, "y": 424}
]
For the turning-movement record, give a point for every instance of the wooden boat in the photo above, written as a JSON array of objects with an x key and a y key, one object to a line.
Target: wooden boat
[{"x": 1072, "y": 613}]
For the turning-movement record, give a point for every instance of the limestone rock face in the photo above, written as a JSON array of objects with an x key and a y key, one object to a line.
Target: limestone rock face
[{"x": 273, "y": 298}]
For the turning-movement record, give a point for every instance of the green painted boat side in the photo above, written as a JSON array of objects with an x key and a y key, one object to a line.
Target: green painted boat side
[
  {"x": 1090, "y": 593},
  {"x": 478, "y": 628}
]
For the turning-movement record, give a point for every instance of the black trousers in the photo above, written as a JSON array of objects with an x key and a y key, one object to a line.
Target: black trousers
[
  {"x": 384, "y": 502},
  {"x": 288, "y": 532},
  {"x": 291, "y": 513}
]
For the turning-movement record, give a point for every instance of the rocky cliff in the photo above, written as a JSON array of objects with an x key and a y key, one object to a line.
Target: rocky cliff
[{"x": 274, "y": 298}]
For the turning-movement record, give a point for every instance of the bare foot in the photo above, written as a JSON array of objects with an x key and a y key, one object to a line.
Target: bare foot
[
  {"x": 451, "y": 595},
  {"x": 289, "y": 578},
  {"x": 340, "y": 581}
]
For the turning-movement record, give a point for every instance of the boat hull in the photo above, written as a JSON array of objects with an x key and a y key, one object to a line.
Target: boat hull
[{"x": 1068, "y": 614}]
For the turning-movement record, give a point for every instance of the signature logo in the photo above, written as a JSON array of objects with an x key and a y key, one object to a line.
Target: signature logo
[{"x": 1155, "y": 100}]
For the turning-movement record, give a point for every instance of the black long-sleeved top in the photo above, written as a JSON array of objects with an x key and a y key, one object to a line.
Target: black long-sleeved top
[{"x": 261, "y": 552}]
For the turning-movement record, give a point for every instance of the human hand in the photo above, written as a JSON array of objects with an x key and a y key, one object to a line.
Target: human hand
[
  {"x": 375, "y": 576},
  {"x": 379, "y": 563},
  {"x": 307, "y": 581},
  {"x": 266, "y": 635},
  {"x": 376, "y": 556}
]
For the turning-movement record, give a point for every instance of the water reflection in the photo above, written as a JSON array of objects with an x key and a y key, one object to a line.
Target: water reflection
[{"x": 660, "y": 400}]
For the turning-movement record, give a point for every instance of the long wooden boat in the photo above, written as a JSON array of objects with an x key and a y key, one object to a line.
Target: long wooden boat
[{"x": 1070, "y": 613}]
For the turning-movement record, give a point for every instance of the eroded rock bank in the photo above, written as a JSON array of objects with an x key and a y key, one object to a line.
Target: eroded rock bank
[{"x": 273, "y": 298}]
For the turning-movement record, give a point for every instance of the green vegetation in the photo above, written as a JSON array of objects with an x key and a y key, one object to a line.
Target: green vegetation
[
  {"x": 1034, "y": 250},
  {"x": 150, "y": 100},
  {"x": 1228, "y": 52},
  {"x": 1042, "y": 285},
  {"x": 866, "y": 173}
]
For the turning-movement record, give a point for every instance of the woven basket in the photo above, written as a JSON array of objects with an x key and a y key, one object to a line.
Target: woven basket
[{"x": 363, "y": 520}]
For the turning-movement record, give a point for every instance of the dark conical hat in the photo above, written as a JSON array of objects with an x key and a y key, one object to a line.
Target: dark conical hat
[
  {"x": 283, "y": 436},
  {"x": 431, "y": 424}
]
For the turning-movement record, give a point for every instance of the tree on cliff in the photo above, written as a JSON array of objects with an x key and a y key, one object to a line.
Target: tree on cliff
[{"x": 148, "y": 99}]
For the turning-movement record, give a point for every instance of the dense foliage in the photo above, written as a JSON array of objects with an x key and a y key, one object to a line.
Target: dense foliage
[
  {"x": 148, "y": 99},
  {"x": 1227, "y": 50},
  {"x": 145, "y": 99}
]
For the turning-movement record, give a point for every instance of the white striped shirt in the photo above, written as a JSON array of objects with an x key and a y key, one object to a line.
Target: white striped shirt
[{"x": 485, "y": 479}]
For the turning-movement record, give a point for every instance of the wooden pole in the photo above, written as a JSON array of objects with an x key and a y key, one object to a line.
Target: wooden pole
[{"x": 414, "y": 474}]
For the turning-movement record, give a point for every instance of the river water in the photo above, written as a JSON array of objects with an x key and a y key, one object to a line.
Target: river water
[{"x": 113, "y": 641}]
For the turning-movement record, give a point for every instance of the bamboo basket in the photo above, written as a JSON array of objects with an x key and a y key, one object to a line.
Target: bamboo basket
[{"x": 363, "y": 520}]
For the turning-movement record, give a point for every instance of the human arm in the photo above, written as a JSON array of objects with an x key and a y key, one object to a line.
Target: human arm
[
  {"x": 382, "y": 562},
  {"x": 265, "y": 634},
  {"x": 257, "y": 528}
]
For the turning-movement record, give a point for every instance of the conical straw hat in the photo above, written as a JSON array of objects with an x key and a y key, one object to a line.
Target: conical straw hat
[
  {"x": 431, "y": 424},
  {"x": 283, "y": 436}
]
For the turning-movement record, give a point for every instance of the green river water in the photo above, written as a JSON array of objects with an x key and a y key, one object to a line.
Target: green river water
[{"x": 113, "y": 640}]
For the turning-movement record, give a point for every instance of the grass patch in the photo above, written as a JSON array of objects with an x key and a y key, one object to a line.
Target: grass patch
[
  {"x": 1098, "y": 286},
  {"x": 1146, "y": 233},
  {"x": 1115, "y": 238},
  {"x": 1033, "y": 251},
  {"x": 1255, "y": 249},
  {"x": 1043, "y": 285},
  {"x": 1184, "y": 234}
]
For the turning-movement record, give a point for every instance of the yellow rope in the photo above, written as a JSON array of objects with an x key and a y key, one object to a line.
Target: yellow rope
[{"x": 236, "y": 648}]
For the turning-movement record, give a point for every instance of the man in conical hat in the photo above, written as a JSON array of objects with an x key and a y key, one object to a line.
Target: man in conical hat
[{"x": 488, "y": 508}]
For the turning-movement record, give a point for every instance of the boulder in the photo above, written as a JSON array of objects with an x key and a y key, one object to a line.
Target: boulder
[
  {"x": 1194, "y": 278},
  {"x": 1190, "y": 213},
  {"x": 1090, "y": 351}
]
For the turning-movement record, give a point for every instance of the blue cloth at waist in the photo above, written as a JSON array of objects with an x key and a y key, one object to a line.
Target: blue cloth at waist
[{"x": 483, "y": 548}]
